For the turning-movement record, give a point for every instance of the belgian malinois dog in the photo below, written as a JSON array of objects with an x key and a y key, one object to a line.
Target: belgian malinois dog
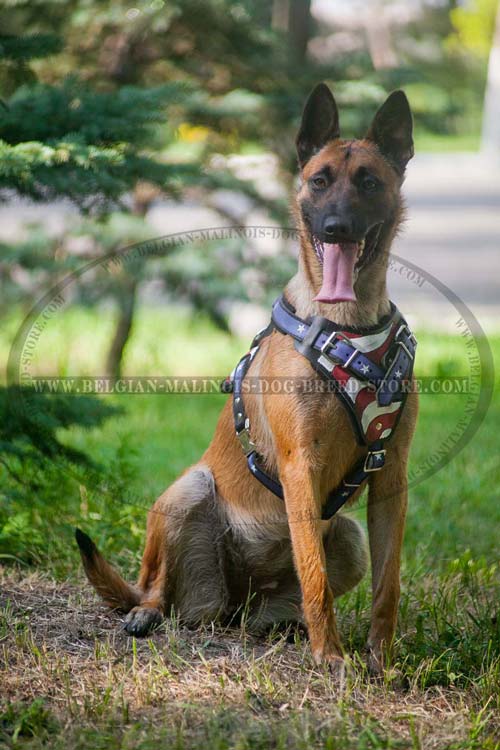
[{"x": 217, "y": 538}]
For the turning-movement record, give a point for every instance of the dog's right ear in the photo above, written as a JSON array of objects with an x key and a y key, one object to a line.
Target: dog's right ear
[{"x": 320, "y": 123}]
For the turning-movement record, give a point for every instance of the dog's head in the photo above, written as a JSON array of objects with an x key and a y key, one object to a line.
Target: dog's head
[{"x": 350, "y": 192}]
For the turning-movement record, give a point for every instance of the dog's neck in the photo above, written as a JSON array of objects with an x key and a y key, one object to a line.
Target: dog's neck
[{"x": 372, "y": 301}]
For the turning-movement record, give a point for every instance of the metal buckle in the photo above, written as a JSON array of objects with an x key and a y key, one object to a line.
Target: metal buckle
[
  {"x": 244, "y": 438},
  {"x": 349, "y": 360},
  {"x": 405, "y": 348},
  {"x": 404, "y": 328},
  {"x": 331, "y": 337},
  {"x": 367, "y": 468},
  {"x": 328, "y": 343}
]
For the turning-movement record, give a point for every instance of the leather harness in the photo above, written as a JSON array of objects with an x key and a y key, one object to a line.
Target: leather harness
[{"x": 369, "y": 369}]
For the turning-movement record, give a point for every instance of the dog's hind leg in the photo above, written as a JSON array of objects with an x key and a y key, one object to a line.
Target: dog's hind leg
[
  {"x": 346, "y": 558},
  {"x": 346, "y": 553},
  {"x": 147, "y": 615},
  {"x": 201, "y": 592},
  {"x": 180, "y": 562}
]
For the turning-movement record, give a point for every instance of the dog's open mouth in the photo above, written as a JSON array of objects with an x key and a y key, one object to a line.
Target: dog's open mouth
[{"x": 341, "y": 264}]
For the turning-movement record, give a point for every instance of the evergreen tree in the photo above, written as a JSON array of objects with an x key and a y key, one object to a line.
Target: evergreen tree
[{"x": 64, "y": 140}]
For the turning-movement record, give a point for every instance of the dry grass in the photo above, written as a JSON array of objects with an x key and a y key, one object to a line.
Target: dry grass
[{"x": 95, "y": 687}]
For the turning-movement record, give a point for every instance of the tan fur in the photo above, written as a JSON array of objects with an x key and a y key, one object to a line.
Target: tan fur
[
  {"x": 106, "y": 580},
  {"x": 217, "y": 539}
]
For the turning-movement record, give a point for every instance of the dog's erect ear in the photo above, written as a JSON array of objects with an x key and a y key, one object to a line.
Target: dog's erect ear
[
  {"x": 320, "y": 123},
  {"x": 392, "y": 128}
]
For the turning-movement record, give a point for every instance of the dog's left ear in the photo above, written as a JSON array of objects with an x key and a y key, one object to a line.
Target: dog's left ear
[
  {"x": 392, "y": 129},
  {"x": 320, "y": 123}
]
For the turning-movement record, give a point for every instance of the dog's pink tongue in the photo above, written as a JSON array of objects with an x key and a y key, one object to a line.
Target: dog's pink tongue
[{"x": 338, "y": 268}]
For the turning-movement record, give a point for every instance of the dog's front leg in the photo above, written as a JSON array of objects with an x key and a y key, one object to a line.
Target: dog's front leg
[
  {"x": 303, "y": 510},
  {"x": 387, "y": 504}
]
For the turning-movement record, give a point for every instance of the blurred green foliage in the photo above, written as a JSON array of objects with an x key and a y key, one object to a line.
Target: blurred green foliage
[
  {"x": 473, "y": 27},
  {"x": 101, "y": 99}
]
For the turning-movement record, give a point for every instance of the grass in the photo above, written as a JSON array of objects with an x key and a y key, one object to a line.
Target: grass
[
  {"x": 436, "y": 143},
  {"x": 69, "y": 676}
]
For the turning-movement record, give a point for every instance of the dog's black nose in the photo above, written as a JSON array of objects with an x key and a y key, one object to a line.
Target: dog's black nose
[{"x": 336, "y": 228}]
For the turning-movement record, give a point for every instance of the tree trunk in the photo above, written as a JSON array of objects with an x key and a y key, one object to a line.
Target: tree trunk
[
  {"x": 144, "y": 194},
  {"x": 299, "y": 26},
  {"x": 280, "y": 15},
  {"x": 378, "y": 34},
  {"x": 490, "y": 141},
  {"x": 126, "y": 302},
  {"x": 293, "y": 17}
]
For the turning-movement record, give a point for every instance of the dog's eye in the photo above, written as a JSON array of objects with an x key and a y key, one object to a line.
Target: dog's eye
[
  {"x": 369, "y": 184},
  {"x": 319, "y": 182}
]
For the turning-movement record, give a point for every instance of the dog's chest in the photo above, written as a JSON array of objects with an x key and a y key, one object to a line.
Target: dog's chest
[{"x": 297, "y": 401}]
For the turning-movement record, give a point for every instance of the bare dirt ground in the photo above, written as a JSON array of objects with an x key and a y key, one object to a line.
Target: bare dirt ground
[{"x": 214, "y": 686}]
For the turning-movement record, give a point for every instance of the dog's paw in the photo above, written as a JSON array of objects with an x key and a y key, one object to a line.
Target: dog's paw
[
  {"x": 337, "y": 667},
  {"x": 380, "y": 670},
  {"x": 333, "y": 660},
  {"x": 142, "y": 620},
  {"x": 374, "y": 662}
]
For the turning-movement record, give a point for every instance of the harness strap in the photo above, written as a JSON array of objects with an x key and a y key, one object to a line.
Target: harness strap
[
  {"x": 321, "y": 341},
  {"x": 286, "y": 321}
]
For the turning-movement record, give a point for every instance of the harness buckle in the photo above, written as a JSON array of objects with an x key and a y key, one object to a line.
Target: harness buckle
[
  {"x": 244, "y": 438},
  {"x": 330, "y": 339},
  {"x": 326, "y": 359},
  {"x": 374, "y": 460},
  {"x": 404, "y": 329}
]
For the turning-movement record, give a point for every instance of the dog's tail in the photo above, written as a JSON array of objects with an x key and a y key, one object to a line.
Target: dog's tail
[{"x": 108, "y": 583}]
